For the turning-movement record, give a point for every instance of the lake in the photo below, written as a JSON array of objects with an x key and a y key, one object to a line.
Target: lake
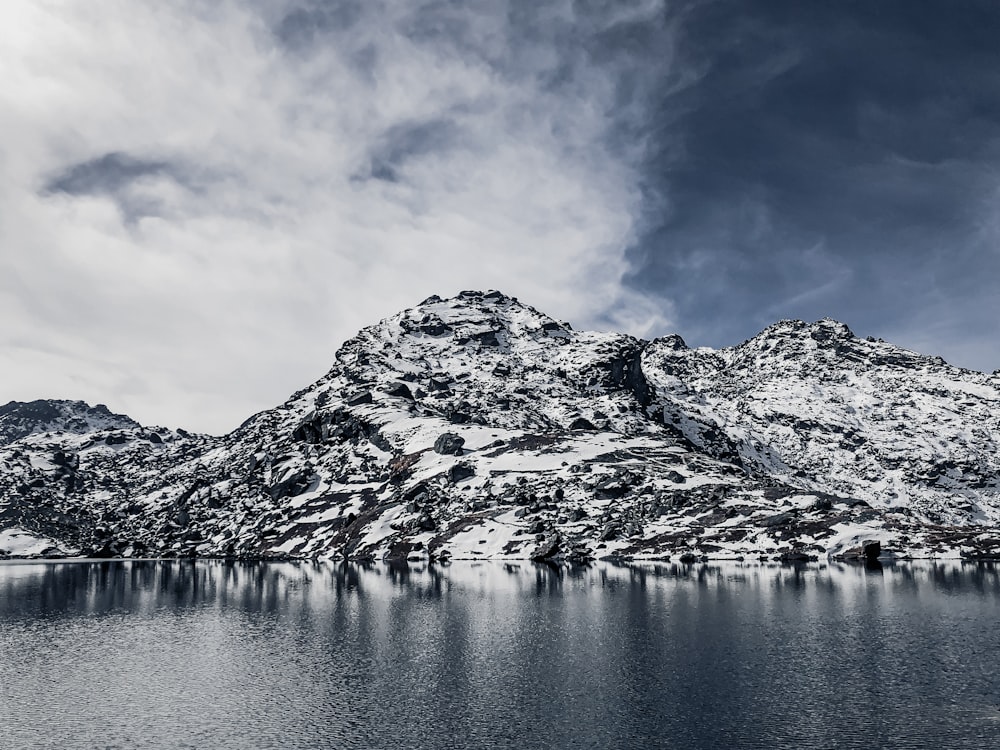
[{"x": 176, "y": 654}]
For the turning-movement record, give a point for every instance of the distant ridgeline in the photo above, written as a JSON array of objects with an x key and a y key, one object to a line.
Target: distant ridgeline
[{"x": 476, "y": 427}]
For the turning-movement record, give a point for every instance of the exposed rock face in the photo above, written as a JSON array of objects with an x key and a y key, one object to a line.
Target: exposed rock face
[{"x": 477, "y": 427}]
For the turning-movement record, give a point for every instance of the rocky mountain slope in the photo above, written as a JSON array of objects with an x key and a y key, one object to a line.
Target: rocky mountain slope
[{"x": 477, "y": 427}]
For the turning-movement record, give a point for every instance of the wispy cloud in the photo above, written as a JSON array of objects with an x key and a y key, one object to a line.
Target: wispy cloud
[{"x": 129, "y": 182}]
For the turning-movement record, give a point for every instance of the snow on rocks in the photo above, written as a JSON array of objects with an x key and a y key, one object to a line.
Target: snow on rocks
[
  {"x": 15, "y": 542},
  {"x": 476, "y": 427}
]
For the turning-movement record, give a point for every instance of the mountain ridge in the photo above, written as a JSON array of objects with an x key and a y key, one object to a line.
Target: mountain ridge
[{"x": 478, "y": 427}]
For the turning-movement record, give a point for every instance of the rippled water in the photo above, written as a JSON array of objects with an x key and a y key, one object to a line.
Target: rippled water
[{"x": 220, "y": 655}]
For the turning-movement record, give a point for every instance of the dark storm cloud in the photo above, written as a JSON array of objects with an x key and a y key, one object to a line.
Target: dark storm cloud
[
  {"x": 114, "y": 175},
  {"x": 107, "y": 174},
  {"x": 833, "y": 159},
  {"x": 299, "y": 27}
]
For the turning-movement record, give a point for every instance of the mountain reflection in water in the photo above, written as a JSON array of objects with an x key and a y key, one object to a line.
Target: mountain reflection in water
[{"x": 174, "y": 654}]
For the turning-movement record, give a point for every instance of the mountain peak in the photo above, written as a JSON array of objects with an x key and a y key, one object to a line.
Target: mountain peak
[
  {"x": 473, "y": 305},
  {"x": 470, "y": 318},
  {"x": 828, "y": 328},
  {"x": 822, "y": 330},
  {"x": 490, "y": 296}
]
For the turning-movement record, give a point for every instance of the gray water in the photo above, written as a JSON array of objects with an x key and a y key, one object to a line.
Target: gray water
[{"x": 230, "y": 655}]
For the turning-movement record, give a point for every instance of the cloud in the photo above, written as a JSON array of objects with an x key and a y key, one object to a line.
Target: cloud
[
  {"x": 203, "y": 201},
  {"x": 408, "y": 141},
  {"x": 829, "y": 161},
  {"x": 128, "y": 181},
  {"x": 109, "y": 173}
]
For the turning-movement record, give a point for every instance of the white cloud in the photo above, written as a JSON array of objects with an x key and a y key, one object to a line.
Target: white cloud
[{"x": 199, "y": 294}]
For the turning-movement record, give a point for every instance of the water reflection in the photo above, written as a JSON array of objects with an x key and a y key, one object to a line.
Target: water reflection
[
  {"x": 227, "y": 654},
  {"x": 46, "y": 589}
]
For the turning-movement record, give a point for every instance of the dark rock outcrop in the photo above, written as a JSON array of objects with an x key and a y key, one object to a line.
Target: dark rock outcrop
[{"x": 449, "y": 444}]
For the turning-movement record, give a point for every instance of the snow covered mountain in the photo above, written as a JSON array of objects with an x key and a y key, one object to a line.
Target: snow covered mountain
[{"x": 477, "y": 427}]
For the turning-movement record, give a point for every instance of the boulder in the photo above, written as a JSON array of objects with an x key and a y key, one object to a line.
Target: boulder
[
  {"x": 449, "y": 444},
  {"x": 610, "y": 531},
  {"x": 457, "y": 416},
  {"x": 867, "y": 551},
  {"x": 399, "y": 390},
  {"x": 458, "y": 472},
  {"x": 314, "y": 428},
  {"x": 438, "y": 384},
  {"x": 612, "y": 488},
  {"x": 779, "y": 519},
  {"x": 399, "y": 551},
  {"x": 547, "y": 548},
  {"x": 294, "y": 484},
  {"x": 482, "y": 338},
  {"x": 365, "y": 397},
  {"x": 823, "y": 504}
]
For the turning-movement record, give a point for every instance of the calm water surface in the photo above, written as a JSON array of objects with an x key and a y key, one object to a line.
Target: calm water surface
[{"x": 219, "y": 655}]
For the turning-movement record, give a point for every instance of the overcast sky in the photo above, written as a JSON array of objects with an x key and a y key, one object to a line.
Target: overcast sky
[{"x": 201, "y": 200}]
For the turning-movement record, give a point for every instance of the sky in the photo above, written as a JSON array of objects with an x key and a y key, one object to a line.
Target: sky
[{"x": 201, "y": 200}]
